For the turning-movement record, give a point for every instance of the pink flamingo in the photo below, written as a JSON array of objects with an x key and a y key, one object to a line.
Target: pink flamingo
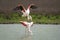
[
  {"x": 27, "y": 25},
  {"x": 25, "y": 12}
]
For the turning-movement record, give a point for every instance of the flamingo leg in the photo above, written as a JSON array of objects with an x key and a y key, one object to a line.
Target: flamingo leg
[{"x": 29, "y": 30}]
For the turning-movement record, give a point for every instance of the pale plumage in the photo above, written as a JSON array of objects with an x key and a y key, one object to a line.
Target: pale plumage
[{"x": 27, "y": 25}]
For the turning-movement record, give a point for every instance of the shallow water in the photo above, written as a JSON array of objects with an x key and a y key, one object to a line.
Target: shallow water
[{"x": 40, "y": 32}]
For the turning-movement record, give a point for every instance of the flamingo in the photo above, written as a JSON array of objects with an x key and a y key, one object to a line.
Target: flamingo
[
  {"x": 25, "y": 12},
  {"x": 27, "y": 25}
]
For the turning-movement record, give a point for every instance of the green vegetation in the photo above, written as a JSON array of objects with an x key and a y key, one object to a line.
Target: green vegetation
[{"x": 37, "y": 18}]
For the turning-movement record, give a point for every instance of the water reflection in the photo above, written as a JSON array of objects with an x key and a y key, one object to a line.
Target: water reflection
[{"x": 26, "y": 37}]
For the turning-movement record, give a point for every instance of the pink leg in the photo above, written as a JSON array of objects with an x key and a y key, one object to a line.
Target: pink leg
[{"x": 29, "y": 30}]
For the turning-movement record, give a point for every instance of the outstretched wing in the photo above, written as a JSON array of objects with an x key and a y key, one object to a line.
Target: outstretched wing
[
  {"x": 32, "y": 6},
  {"x": 19, "y": 7}
]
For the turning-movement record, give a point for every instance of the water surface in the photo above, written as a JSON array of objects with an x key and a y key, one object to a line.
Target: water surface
[{"x": 40, "y": 32}]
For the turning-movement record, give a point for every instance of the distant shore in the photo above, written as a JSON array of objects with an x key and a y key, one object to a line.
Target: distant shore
[
  {"x": 34, "y": 23},
  {"x": 38, "y": 18}
]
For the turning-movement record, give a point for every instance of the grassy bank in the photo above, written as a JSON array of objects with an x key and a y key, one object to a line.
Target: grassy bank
[{"x": 37, "y": 18}]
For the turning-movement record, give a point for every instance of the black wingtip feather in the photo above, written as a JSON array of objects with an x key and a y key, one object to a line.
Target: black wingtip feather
[
  {"x": 18, "y": 8},
  {"x": 33, "y": 7}
]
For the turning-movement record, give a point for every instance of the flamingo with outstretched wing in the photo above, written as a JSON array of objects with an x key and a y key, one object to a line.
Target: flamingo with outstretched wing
[{"x": 24, "y": 11}]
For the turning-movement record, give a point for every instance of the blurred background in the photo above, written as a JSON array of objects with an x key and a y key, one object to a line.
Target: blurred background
[{"x": 48, "y": 11}]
